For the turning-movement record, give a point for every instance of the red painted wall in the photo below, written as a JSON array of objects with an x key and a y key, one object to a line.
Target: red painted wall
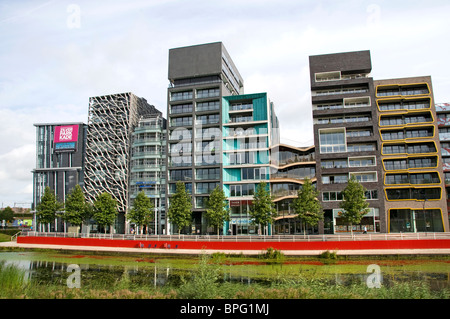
[{"x": 230, "y": 245}]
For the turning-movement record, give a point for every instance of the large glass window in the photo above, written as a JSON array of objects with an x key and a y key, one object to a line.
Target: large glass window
[
  {"x": 205, "y": 188},
  {"x": 207, "y": 173},
  {"x": 242, "y": 190},
  {"x": 177, "y": 96},
  {"x": 332, "y": 141},
  {"x": 181, "y": 175},
  {"x": 406, "y": 220}
]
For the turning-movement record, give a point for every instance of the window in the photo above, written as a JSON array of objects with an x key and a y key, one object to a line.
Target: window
[
  {"x": 180, "y": 148},
  {"x": 181, "y": 175},
  {"x": 332, "y": 141},
  {"x": 334, "y": 179},
  {"x": 181, "y": 108},
  {"x": 359, "y": 133},
  {"x": 181, "y": 134},
  {"x": 207, "y": 173},
  {"x": 205, "y": 188},
  {"x": 173, "y": 188},
  {"x": 361, "y": 147},
  {"x": 361, "y": 161},
  {"x": 177, "y": 96},
  {"x": 208, "y": 106},
  {"x": 404, "y": 105},
  {"x": 181, "y": 121},
  {"x": 250, "y": 173},
  {"x": 331, "y": 196},
  {"x": 207, "y": 119},
  {"x": 241, "y": 106},
  {"x": 371, "y": 194},
  {"x": 205, "y": 93},
  {"x": 413, "y": 193},
  {"x": 201, "y": 202},
  {"x": 240, "y": 158},
  {"x": 242, "y": 190},
  {"x": 365, "y": 177},
  {"x": 337, "y": 163},
  {"x": 180, "y": 161}
]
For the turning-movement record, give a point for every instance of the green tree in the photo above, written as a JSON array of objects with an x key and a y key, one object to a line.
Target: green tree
[
  {"x": 307, "y": 205},
  {"x": 217, "y": 211},
  {"x": 354, "y": 203},
  {"x": 105, "y": 209},
  {"x": 7, "y": 214},
  {"x": 180, "y": 208},
  {"x": 47, "y": 208},
  {"x": 142, "y": 211},
  {"x": 263, "y": 210},
  {"x": 75, "y": 206}
]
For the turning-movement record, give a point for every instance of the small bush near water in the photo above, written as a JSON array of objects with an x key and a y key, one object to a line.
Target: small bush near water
[{"x": 271, "y": 253}]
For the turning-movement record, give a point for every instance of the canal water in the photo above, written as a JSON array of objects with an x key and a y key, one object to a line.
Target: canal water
[{"x": 105, "y": 271}]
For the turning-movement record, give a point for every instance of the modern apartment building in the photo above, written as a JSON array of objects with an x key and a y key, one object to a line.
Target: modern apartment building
[
  {"x": 199, "y": 77},
  {"x": 346, "y": 136},
  {"x": 60, "y": 151},
  {"x": 443, "y": 121},
  {"x": 250, "y": 128},
  {"x": 148, "y": 166},
  {"x": 111, "y": 122},
  {"x": 289, "y": 166},
  {"x": 413, "y": 177}
]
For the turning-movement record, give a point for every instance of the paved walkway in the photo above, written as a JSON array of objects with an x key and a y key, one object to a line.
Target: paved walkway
[{"x": 355, "y": 252}]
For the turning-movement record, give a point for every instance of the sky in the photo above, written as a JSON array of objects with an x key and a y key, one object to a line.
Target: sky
[{"x": 56, "y": 54}]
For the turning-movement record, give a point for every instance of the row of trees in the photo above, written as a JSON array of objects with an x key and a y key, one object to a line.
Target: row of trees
[
  {"x": 263, "y": 212},
  {"x": 75, "y": 210}
]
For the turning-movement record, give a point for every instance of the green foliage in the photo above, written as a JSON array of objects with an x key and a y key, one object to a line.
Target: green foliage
[
  {"x": 328, "y": 255},
  {"x": 263, "y": 210},
  {"x": 180, "y": 207},
  {"x": 217, "y": 211},
  {"x": 105, "y": 209},
  {"x": 142, "y": 211},
  {"x": 204, "y": 281},
  {"x": 75, "y": 206},
  {"x": 7, "y": 214},
  {"x": 12, "y": 281},
  {"x": 354, "y": 202},
  {"x": 272, "y": 253},
  {"x": 306, "y": 205},
  {"x": 47, "y": 208}
]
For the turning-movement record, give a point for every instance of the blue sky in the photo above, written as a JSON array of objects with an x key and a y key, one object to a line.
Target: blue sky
[{"x": 55, "y": 54}]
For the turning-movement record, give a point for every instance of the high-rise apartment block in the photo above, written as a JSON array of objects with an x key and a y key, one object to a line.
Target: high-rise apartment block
[
  {"x": 199, "y": 77},
  {"x": 411, "y": 157},
  {"x": 148, "y": 165},
  {"x": 111, "y": 122},
  {"x": 250, "y": 129},
  {"x": 346, "y": 135},
  {"x": 60, "y": 154}
]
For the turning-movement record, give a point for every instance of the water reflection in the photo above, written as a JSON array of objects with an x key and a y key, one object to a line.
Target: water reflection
[{"x": 158, "y": 275}]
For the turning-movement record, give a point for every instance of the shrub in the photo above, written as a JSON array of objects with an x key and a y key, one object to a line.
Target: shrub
[{"x": 272, "y": 253}]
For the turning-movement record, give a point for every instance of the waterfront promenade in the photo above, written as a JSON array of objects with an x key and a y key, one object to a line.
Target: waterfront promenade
[{"x": 309, "y": 245}]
